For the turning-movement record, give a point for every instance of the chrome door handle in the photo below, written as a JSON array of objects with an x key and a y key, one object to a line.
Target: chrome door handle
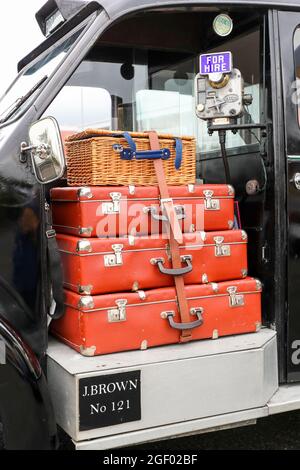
[{"x": 296, "y": 180}]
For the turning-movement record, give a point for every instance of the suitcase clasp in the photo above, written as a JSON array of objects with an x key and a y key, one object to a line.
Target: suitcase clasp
[
  {"x": 85, "y": 193},
  {"x": 235, "y": 300},
  {"x": 211, "y": 204},
  {"x": 220, "y": 249},
  {"x": 117, "y": 315},
  {"x": 111, "y": 261},
  {"x": 114, "y": 206}
]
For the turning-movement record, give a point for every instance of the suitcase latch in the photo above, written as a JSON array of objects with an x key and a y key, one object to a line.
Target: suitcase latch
[
  {"x": 114, "y": 206},
  {"x": 220, "y": 249},
  {"x": 117, "y": 315},
  {"x": 85, "y": 193},
  {"x": 211, "y": 204},
  {"x": 111, "y": 261},
  {"x": 235, "y": 300}
]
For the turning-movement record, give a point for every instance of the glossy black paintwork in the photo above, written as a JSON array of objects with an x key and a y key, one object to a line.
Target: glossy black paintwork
[
  {"x": 277, "y": 180},
  {"x": 293, "y": 320},
  {"x": 18, "y": 352},
  {"x": 24, "y": 287},
  {"x": 20, "y": 239},
  {"x": 21, "y": 301},
  {"x": 287, "y": 25},
  {"x": 25, "y": 407}
]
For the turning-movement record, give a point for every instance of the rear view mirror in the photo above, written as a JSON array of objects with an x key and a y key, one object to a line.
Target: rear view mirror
[{"x": 47, "y": 152}]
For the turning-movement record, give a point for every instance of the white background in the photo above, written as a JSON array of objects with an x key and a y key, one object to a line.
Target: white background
[{"x": 19, "y": 34}]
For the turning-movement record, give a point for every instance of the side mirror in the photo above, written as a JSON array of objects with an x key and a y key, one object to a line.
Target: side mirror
[{"x": 46, "y": 149}]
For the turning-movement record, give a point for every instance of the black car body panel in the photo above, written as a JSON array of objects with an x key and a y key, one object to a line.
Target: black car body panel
[{"x": 23, "y": 382}]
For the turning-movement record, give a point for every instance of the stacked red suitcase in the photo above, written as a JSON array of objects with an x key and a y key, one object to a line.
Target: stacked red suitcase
[
  {"x": 116, "y": 211},
  {"x": 116, "y": 258}
]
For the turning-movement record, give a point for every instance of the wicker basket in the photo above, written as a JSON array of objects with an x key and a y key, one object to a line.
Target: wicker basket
[{"x": 91, "y": 160}]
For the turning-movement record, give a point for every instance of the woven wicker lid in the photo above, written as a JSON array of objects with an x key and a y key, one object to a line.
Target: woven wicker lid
[{"x": 91, "y": 133}]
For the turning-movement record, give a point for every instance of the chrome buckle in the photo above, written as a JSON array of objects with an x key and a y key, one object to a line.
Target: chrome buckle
[{"x": 51, "y": 234}]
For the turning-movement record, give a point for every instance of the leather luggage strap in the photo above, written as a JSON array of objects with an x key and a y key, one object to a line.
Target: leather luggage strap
[
  {"x": 175, "y": 237},
  {"x": 54, "y": 267}
]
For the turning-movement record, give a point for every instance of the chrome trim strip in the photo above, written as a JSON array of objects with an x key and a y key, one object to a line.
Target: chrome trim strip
[
  {"x": 294, "y": 157},
  {"x": 142, "y": 304},
  {"x": 179, "y": 198},
  {"x": 184, "y": 247}
]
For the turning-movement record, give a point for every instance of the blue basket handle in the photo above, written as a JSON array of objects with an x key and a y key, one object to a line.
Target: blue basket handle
[
  {"x": 131, "y": 152},
  {"x": 178, "y": 149},
  {"x": 130, "y": 141}
]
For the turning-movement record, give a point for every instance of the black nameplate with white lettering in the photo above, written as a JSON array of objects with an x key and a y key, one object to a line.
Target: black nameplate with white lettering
[{"x": 108, "y": 400}]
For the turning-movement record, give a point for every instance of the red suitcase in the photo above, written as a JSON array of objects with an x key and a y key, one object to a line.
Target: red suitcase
[
  {"x": 104, "y": 265},
  {"x": 113, "y": 211},
  {"x": 119, "y": 322}
]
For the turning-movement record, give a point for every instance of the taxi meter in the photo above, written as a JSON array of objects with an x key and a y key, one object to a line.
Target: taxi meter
[{"x": 219, "y": 88}]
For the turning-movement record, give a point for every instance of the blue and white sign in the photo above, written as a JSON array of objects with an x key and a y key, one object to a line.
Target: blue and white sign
[{"x": 218, "y": 62}]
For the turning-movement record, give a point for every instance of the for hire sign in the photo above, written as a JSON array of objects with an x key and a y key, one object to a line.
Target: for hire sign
[{"x": 108, "y": 400}]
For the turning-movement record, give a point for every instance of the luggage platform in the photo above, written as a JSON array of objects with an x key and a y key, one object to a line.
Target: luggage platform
[{"x": 128, "y": 398}]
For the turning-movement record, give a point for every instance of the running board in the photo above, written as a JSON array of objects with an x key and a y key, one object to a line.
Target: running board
[
  {"x": 137, "y": 396},
  {"x": 287, "y": 398},
  {"x": 173, "y": 431}
]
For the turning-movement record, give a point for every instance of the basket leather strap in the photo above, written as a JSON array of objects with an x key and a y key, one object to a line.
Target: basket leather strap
[{"x": 186, "y": 335}]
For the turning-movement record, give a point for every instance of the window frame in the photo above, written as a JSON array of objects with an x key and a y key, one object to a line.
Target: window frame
[{"x": 86, "y": 24}]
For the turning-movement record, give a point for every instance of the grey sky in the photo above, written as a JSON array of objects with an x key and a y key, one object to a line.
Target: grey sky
[{"x": 19, "y": 34}]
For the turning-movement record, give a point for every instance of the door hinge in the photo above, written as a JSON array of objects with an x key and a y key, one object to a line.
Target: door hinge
[{"x": 265, "y": 255}]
